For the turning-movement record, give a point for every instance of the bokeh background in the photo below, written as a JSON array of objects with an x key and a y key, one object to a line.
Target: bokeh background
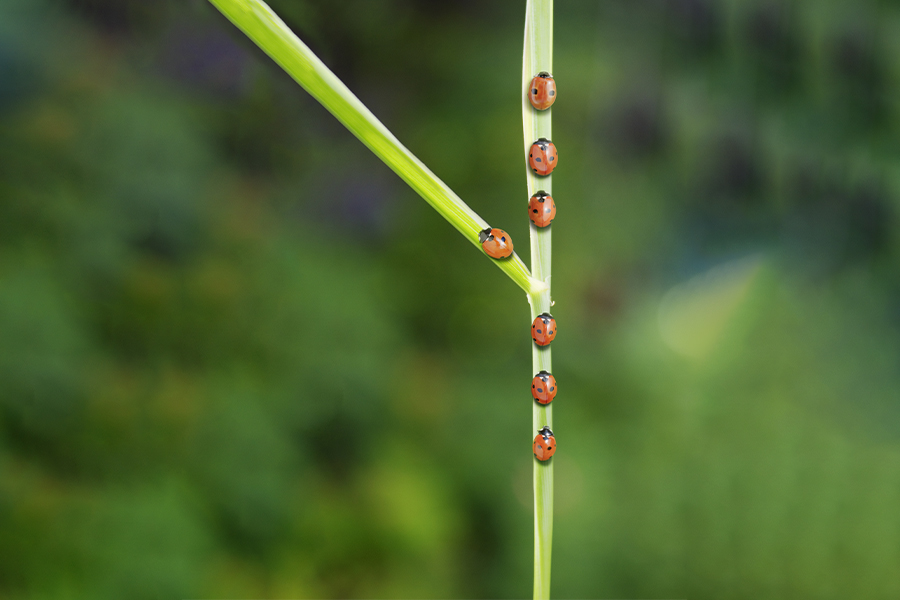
[{"x": 239, "y": 358}]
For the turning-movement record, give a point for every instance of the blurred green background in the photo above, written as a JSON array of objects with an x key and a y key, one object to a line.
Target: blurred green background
[{"x": 239, "y": 358}]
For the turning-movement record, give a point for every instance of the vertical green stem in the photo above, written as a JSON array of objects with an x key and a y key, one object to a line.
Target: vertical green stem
[
  {"x": 538, "y": 56},
  {"x": 543, "y": 471}
]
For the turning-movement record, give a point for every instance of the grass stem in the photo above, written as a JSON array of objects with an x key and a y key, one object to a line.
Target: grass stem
[
  {"x": 269, "y": 32},
  {"x": 537, "y": 57}
]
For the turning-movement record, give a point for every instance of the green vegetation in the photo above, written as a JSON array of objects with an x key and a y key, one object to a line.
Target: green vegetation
[
  {"x": 264, "y": 27},
  {"x": 240, "y": 359},
  {"x": 537, "y": 56},
  {"x": 269, "y": 32}
]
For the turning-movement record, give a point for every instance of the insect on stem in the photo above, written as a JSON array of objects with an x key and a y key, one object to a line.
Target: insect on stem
[{"x": 540, "y": 159}]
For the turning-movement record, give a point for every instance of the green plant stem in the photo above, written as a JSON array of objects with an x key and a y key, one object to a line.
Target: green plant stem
[
  {"x": 269, "y": 32},
  {"x": 537, "y": 57}
]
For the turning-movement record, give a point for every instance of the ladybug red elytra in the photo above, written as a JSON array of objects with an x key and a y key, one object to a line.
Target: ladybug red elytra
[
  {"x": 543, "y": 329},
  {"x": 543, "y": 387},
  {"x": 542, "y": 157},
  {"x": 542, "y": 92},
  {"x": 496, "y": 243},
  {"x": 544, "y": 444},
  {"x": 541, "y": 209}
]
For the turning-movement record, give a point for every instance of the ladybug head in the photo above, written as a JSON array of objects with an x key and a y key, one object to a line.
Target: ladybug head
[
  {"x": 544, "y": 375},
  {"x": 545, "y": 75},
  {"x": 543, "y": 143},
  {"x": 540, "y": 195},
  {"x": 485, "y": 235},
  {"x": 546, "y": 432},
  {"x": 545, "y": 317}
]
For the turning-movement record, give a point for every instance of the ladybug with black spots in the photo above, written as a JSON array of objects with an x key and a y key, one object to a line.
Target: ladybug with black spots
[
  {"x": 543, "y": 329},
  {"x": 496, "y": 243},
  {"x": 541, "y": 209},
  {"x": 542, "y": 92},
  {"x": 542, "y": 157},
  {"x": 543, "y": 387},
  {"x": 544, "y": 444}
]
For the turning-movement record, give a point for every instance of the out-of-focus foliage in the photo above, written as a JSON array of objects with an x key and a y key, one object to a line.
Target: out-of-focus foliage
[{"x": 239, "y": 358}]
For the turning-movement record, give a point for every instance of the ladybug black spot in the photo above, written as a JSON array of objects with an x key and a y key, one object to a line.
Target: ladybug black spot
[
  {"x": 534, "y": 211},
  {"x": 538, "y": 330},
  {"x": 551, "y": 158},
  {"x": 551, "y": 389},
  {"x": 541, "y": 390},
  {"x": 534, "y": 91},
  {"x": 537, "y": 160},
  {"x": 546, "y": 210},
  {"x": 552, "y": 93}
]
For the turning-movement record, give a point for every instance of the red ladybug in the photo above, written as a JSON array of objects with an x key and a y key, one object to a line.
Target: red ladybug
[
  {"x": 541, "y": 209},
  {"x": 542, "y": 157},
  {"x": 496, "y": 243},
  {"x": 542, "y": 93},
  {"x": 544, "y": 444},
  {"x": 543, "y": 330},
  {"x": 543, "y": 387}
]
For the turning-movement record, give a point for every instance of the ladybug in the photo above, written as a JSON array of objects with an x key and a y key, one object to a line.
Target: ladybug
[
  {"x": 542, "y": 93},
  {"x": 543, "y": 387},
  {"x": 541, "y": 209},
  {"x": 496, "y": 243},
  {"x": 544, "y": 444},
  {"x": 542, "y": 157},
  {"x": 543, "y": 330}
]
